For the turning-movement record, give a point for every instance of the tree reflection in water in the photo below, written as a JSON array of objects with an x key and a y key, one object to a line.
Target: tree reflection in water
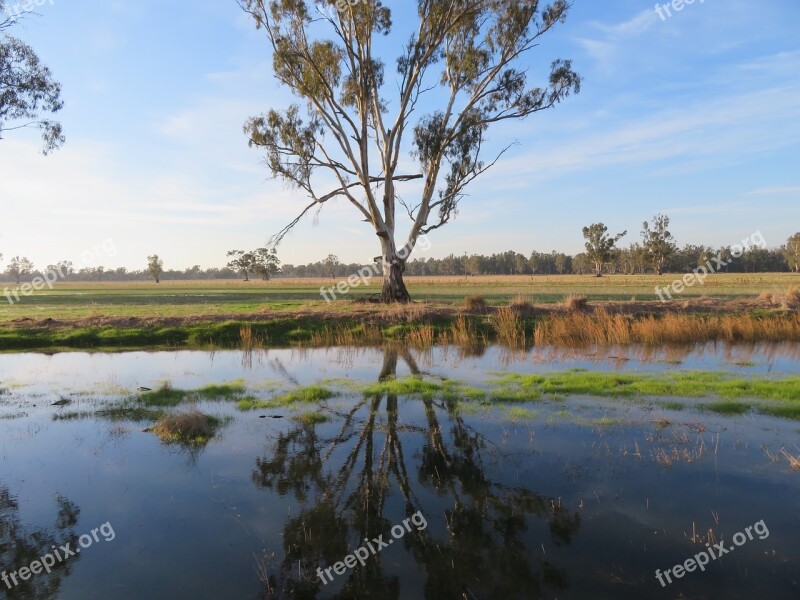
[
  {"x": 22, "y": 544},
  {"x": 378, "y": 470}
]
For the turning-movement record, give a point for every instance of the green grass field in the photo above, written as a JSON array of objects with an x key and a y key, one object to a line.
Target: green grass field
[{"x": 199, "y": 298}]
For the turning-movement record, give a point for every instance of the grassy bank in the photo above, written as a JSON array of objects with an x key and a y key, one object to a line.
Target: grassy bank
[
  {"x": 519, "y": 326},
  {"x": 470, "y": 312},
  {"x": 238, "y": 299}
]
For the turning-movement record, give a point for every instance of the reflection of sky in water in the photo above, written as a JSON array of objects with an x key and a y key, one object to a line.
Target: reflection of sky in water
[
  {"x": 191, "y": 369},
  {"x": 188, "y": 526}
]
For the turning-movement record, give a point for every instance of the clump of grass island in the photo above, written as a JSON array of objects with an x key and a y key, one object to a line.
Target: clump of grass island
[{"x": 192, "y": 427}]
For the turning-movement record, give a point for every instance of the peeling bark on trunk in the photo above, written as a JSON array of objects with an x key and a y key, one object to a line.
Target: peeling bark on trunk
[
  {"x": 394, "y": 288},
  {"x": 394, "y": 265}
]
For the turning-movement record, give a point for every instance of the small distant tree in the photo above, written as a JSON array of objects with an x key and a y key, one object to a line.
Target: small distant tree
[
  {"x": 266, "y": 263},
  {"x": 155, "y": 267},
  {"x": 242, "y": 262},
  {"x": 792, "y": 252},
  {"x": 658, "y": 242},
  {"x": 600, "y": 246},
  {"x": 19, "y": 266},
  {"x": 330, "y": 264},
  {"x": 66, "y": 267}
]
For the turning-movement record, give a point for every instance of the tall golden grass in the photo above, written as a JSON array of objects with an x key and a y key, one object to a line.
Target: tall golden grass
[
  {"x": 509, "y": 329},
  {"x": 463, "y": 333},
  {"x": 340, "y": 335},
  {"x": 421, "y": 337},
  {"x": 787, "y": 301},
  {"x": 604, "y": 328}
]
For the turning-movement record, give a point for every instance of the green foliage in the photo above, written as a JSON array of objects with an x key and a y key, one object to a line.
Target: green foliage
[
  {"x": 155, "y": 266},
  {"x": 27, "y": 90},
  {"x": 599, "y": 246},
  {"x": 791, "y": 251},
  {"x": 659, "y": 245}
]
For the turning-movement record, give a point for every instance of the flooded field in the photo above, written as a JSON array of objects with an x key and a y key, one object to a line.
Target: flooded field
[{"x": 402, "y": 474}]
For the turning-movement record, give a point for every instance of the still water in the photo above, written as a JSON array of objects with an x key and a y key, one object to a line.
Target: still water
[{"x": 562, "y": 498}]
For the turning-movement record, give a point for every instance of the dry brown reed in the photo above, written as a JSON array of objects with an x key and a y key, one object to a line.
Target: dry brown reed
[
  {"x": 508, "y": 328},
  {"x": 604, "y": 328},
  {"x": 462, "y": 333},
  {"x": 340, "y": 335},
  {"x": 421, "y": 337}
]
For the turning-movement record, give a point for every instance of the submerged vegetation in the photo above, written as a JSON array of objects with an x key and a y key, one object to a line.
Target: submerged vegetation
[
  {"x": 729, "y": 394},
  {"x": 719, "y": 392}
]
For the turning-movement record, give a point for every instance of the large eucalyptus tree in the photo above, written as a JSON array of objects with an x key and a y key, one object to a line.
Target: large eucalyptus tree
[{"x": 460, "y": 64}]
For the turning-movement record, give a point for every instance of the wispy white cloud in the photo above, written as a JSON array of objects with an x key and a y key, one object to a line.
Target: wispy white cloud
[
  {"x": 775, "y": 191},
  {"x": 714, "y": 129},
  {"x": 635, "y": 26}
]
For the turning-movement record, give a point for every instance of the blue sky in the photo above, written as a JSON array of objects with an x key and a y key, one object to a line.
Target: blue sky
[{"x": 696, "y": 116}]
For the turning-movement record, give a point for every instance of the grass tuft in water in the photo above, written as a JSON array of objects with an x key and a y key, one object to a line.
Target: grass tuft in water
[
  {"x": 309, "y": 419},
  {"x": 729, "y": 407},
  {"x": 164, "y": 396},
  {"x": 192, "y": 427}
]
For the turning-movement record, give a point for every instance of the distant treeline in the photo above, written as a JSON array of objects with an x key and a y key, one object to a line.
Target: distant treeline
[{"x": 631, "y": 260}]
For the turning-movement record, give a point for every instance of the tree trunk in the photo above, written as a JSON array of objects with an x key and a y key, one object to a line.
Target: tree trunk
[
  {"x": 394, "y": 288},
  {"x": 394, "y": 265}
]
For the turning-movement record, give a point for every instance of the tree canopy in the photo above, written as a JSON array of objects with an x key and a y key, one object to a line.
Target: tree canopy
[
  {"x": 348, "y": 141},
  {"x": 600, "y": 246},
  {"x": 27, "y": 88}
]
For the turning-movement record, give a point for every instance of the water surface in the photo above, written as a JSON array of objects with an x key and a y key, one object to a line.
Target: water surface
[{"x": 571, "y": 497}]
